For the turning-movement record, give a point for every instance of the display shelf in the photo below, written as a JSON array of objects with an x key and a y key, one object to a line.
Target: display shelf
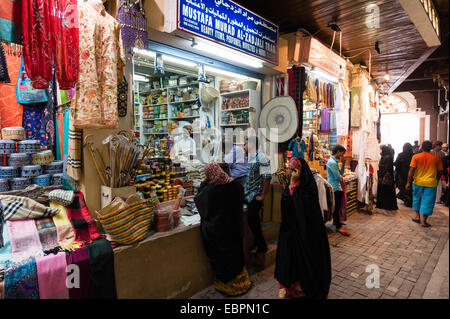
[
  {"x": 160, "y": 119},
  {"x": 184, "y": 117},
  {"x": 187, "y": 101},
  {"x": 149, "y": 133},
  {"x": 165, "y": 103},
  {"x": 236, "y": 124},
  {"x": 237, "y": 109},
  {"x": 241, "y": 92},
  {"x": 182, "y": 86}
]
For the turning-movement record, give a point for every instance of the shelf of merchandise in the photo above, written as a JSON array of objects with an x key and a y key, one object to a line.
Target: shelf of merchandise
[
  {"x": 254, "y": 107},
  {"x": 139, "y": 122}
]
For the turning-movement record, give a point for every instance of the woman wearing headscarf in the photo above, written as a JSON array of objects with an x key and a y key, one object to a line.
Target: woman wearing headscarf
[
  {"x": 386, "y": 198},
  {"x": 220, "y": 201},
  {"x": 303, "y": 266},
  {"x": 401, "y": 173}
]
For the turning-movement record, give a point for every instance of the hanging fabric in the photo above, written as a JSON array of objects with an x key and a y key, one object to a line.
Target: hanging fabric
[
  {"x": 33, "y": 123},
  {"x": 4, "y": 75},
  {"x": 50, "y": 33},
  {"x": 50, "y": 117},
  {"x": 134, "y": 24},
  {"x": 11, "y": 21},
  {"x": 26, "y": 93}
]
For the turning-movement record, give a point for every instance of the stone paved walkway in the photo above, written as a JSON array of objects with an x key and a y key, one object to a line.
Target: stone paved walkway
[{"x": 405, "y": 252}]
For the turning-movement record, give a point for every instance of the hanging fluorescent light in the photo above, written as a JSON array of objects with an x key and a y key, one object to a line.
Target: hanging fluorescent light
[
  {"x": 139, "y": 77},
  {"x": 229, "y": 54},
  {"x": 225, "y": 73},
  {"x": 168, "y": 58},
  {"x": 323, "y": 75},
  {"x": 148, "y": 53}
]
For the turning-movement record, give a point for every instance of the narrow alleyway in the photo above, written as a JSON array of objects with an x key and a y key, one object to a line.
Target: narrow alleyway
[{"x": 413, "y": 260}]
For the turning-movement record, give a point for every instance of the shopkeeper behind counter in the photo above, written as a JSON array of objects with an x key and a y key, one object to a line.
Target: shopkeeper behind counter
[{"x": 184, "y": 146}]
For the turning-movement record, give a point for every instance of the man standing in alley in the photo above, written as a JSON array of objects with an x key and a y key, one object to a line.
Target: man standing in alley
[
  {"x": 257, "y": 186},
  {"x": 426, "y": 170},
  {"x": 334, "y": 175}
]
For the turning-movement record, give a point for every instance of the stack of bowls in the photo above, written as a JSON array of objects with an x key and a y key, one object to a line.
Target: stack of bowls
[
  {"x": 31, "y": 171},
  {"x": 41, "y": 180},
  {"x": 20, "y": 183},
  {"x": 18, "y": 160}
]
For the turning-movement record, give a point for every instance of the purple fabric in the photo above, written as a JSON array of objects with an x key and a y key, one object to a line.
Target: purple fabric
[
  {"x": 325, "y": 120},
  {"x": 80, "y": 258}
]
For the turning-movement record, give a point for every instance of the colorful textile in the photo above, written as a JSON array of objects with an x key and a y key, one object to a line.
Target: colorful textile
[
  {"x": 24, "y": 239},
  {"x": 427, "y": 165},
  {"x": 4, "y": 75},
  {"x": 1, "y": 225},
  {"x": 424, "y": 199},
  {"x": 10, "y": 110},
  {"x": 298, "y": 147},
  {"x": 75, "y": 150},
  {"x": 258, "y": 170},
  {"x": 26, "y": 93},
  {"x": 215, "y": 175},
  {"x": 21, "y": 280},
  {"x": 356, "y": 106},
  {"x": 325, "y": 120},
  {"x": 80, "y": 258},
  {"x": 235, "y": 287},
  {"x": 49, "y": 117},
  {"x": 51, "y": 274},
  {"x": 50, "y": 33},
  {"x": 47, "y": 233},
  {"x": 62, "y": 197},
  {"x": 101, "y": 268},
  {"x": 60, "y": 135},
  {"x": 6, "y": 251},
  {"x": 11, "y": 21},
  {"x": 294, "y": 291},
  {"x": 64, "y": 229},
  {"x": 17, "y": 207},
  {"x": 82, "y": 222},
  {"x": 101, "y": 61},
  {"x": 33, "y": 123}
]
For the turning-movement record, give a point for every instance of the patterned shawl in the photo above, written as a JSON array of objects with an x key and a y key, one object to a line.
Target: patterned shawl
[
  {"x": 24, "y": 239},
  {"x": 21, "y": 280},
  {"x": 216, "y": 175},
  {"x": 47, "y": 233},
  {"x": 16, "y": 208},
  {"x": 51, "y": 273},
  {"x": 82, "y": 221},
  {"x": 64, "y": 229}
]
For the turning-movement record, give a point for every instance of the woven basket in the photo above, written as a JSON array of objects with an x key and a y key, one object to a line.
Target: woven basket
[
  {"x": 13, "y": 133},
  {"x": 127, "y": 223}
]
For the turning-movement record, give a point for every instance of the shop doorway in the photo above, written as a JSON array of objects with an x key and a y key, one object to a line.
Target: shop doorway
[{"x": 400, "y": 128}]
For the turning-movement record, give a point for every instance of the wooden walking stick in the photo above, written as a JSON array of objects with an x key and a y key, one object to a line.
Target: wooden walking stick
[{"x": 98, "y": 161}]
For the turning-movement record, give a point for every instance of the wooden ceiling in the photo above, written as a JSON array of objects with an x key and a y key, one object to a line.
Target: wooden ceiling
[{"x": 402, "y": 47}]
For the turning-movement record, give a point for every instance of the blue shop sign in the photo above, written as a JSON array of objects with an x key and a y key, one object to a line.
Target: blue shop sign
[{"x": 230, "y": 24}]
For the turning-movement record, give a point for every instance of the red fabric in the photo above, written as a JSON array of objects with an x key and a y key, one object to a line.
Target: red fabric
[
  {"x": 292, "y": 291},
  {"x": 82, "y": 222},
  {"x": 50, "y": 33},
  {"x": 215, "y": 175},
  {"x": 11, "y": 112},
  {"x": 291, "y": 188}
]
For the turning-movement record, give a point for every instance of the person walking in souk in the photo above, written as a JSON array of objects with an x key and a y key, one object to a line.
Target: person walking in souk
[
  {"x": 424, "y": 174},
  {"x": 437, "y": 150},
  {"x": 401, "y": 173},
  {"x": 386, "y": 197},
  {"x": 303, "y": 264},
  {"x": 220, "y": 202},
  {"x": 334, "y": 175}
]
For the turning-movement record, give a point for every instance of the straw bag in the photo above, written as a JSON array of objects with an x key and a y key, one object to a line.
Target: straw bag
[{"x": 127, "y": 222}]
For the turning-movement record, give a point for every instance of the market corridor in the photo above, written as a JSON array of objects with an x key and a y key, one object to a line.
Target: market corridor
[{"x": 409, "y": 258}]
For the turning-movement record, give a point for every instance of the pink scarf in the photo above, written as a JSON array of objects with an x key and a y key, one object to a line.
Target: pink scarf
[
  {"x": 215, "y": 175},
  {"x": 24, "y": 238},
  {"x": 51, "y": 273}
]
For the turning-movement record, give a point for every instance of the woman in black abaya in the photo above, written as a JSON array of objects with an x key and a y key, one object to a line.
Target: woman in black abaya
[
  {"x": 401, "y": 173},
  {"x": 386, "y": 198},
  {"x": 220, "y": 202},
  {"x": 303, "y": 267}
]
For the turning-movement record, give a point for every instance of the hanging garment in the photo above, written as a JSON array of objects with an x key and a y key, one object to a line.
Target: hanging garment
[
  {"x": 47, "y": 233},
  {"x": 24, "y": 239},
  {"x": 342, "y": 114},
  {"x": 10, "y": 110},
  {"x": 18, "y": 207},
  {"x": 80, "y": 258},
  {"x": 298, "y": 147},
  {"x": 50, "y": 33},
  {"x": 60, "y": 134},
  {"x": 33, "y": 123},
  {"x": 82, "y": 222},
  {"x": 356, "y": 107},
  {"x": 50, "y": 117},
  {"x": 26, "y": 93},
  {"x": 75, "y": 150},
  {"x": 101, "y": 61},
  {"x": 51, "y": 275},
  {"x": 21, "y": 280},
  {"x": 64, "y": 229},
  {"x": 101, "y": 268},
  {"x": 322, "y": 193},
  {"x": 6, "y": 251},
  {"x": 4, "y": 75},
  {"x": 325, "y": 120}
]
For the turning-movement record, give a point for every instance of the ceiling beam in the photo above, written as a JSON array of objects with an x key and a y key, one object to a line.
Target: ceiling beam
[{"x": 417, "y": 86}]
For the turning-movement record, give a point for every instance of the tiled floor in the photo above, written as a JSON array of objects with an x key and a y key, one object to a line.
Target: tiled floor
[{"x": 406, "y": 253}]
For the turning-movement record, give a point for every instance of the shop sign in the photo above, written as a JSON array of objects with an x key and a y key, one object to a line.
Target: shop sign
[
  {"x": 230, "y": 24},
  {"x": 322, "y": 57}
]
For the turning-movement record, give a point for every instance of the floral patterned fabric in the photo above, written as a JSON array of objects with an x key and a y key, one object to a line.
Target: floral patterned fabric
[
  {"x": 21, "y": 280},
  {"x": 101, "y": 62},
  {"x": 33, "y": 123},
  {"x": 50, "y": 117}
]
